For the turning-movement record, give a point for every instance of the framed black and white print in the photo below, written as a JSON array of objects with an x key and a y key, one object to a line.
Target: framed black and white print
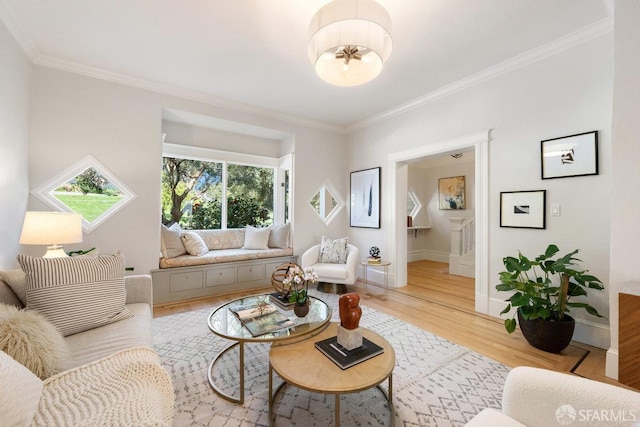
[
  {"x": 574, "y": 155},
  {"x": 365, "y": 198},
  {"x": 523, "y": 209}
]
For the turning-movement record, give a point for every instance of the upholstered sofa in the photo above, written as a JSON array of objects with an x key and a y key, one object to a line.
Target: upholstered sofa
[
  {"x": 108, "y": 375},
  {"x": 93, "y": 344},
  {"x": 333, "y": 273},
  {"x": 536, "y": 397}
]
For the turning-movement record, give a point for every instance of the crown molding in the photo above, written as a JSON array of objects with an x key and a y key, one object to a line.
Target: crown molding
[
  {"x": 14, "y": 25},
  {"x": 568, "y": 41},
  {"x": 16, "y": 28},
  {"x": 72, "y": 67}
]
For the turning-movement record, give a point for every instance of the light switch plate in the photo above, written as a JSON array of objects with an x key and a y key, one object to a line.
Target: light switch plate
[{"x": 555, "y": 210}]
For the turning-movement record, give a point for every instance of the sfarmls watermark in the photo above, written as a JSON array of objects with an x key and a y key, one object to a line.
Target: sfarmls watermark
[{"x": 567, "y": 414}]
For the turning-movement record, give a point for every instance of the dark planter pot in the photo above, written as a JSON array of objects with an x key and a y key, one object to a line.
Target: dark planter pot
[
  {"x": 549, "y": 336},
  {"x": 301, "y": 310}
]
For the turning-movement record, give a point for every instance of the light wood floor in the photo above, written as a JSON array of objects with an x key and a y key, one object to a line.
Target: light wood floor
[{"x": 439, "y": 303}]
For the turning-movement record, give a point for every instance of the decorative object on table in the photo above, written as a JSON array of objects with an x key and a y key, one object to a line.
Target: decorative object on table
[
  {"x": 523, "y": 209},
  {"x": 281, "y": 296},
  {"x": 51, "y": 228},
  {"x": 569, "y": 156},
  {"x": 297, "y": 282},
  {"x": 374, "y": 255},
  {"x": 543, "y": 291},
  {"x": 365, "y": 198},
  {"x": 349, "y": 332},
  {"x": 409, "y": 221},
  {"x": 451, "y": 193}
]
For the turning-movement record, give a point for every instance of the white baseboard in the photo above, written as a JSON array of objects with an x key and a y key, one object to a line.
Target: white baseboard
[
  {"x": 611, "y": 367},
  {"x": 428, "y": 256}
]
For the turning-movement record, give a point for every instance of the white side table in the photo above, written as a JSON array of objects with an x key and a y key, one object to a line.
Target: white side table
[{"x": 365, "y": 269}]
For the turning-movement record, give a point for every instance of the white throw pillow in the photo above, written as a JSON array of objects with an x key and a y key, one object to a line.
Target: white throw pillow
[
  {"x": 16, "y": 281},
  {"x": 279, "y": 236},
  {"x": 20, "y": 392},
  {"x": 76, "y": 293},
  {"x": 170, "y": 242},
  {"x": 333, "y": 251},
  {"x": 32, "y": 340},
  {"x": 194, "y": 243},
  {"x": 256, "y": 238}
]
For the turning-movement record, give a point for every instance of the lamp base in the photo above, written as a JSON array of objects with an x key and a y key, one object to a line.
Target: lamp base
[{"x": 55, "y": 251}]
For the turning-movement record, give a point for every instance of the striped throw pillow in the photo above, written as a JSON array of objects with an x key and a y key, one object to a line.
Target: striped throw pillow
[{"x": 76, "y": 294}]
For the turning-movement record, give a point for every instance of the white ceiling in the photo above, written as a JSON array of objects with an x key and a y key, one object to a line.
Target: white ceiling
[{"x": 253, "y": 52}]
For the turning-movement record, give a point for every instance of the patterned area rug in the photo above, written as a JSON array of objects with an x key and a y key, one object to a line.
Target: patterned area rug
[{"x": 435, "y": 382}]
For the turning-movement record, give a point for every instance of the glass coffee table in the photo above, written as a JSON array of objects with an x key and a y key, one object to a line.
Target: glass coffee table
[{"x": 226, "y": 324}]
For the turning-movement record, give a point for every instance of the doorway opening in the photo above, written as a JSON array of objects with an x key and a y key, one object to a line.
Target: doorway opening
[{"x": 398, "y": 188}]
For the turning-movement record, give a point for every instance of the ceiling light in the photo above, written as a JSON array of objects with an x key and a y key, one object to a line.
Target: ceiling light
[{"x": 350, "y": 40}]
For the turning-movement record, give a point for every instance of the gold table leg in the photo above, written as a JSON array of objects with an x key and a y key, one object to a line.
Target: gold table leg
[{"x": 241, "y": 382}]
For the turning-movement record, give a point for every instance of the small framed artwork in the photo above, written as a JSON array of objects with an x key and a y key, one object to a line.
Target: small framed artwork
[
  {"x": 523, "y": 209},
  {"x": 365, "y": 198},
  {"x": 574, "y": 155},
  {"x": 451, "y": 193}
]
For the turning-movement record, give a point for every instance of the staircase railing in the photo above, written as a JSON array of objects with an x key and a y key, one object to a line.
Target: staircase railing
[{"x": 463, "y": 244}]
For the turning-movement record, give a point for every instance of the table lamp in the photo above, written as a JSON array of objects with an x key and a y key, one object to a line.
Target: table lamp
[{"x": 53, "y": 229}]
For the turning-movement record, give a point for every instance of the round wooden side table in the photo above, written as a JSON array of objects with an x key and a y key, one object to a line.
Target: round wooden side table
[{"x": 304, "y": 366}]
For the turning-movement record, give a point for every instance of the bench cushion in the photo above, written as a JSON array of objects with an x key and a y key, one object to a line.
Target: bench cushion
[{"x": 223, "y": 255}]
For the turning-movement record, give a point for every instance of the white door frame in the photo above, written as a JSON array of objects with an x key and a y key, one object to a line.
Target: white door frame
[{"x": 398, "y": 198}]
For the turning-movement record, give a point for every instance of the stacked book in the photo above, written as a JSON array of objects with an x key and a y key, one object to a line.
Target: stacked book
[
  {"x": 280, "y": 300},
  {"x": 347, "y": 358},
  {"x": 374, "y": 260}
]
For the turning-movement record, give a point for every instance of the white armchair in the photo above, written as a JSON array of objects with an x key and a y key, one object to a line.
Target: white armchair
[
  {"x": 332, "y": 277},
  {"x": 535, "y": 397}
]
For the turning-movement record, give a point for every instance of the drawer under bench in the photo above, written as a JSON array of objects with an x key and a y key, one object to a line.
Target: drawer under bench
[{"x": 181, "y": 283}]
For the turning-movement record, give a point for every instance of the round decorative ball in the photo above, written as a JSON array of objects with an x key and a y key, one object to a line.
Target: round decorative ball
[{"x": 374, "y": 251}]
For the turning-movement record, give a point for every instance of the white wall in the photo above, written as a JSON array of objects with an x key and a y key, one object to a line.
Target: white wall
[
  {"x": 625, "y": 185},
  {"x": 121, "y": 126},
  {"x": 435, "y": 243},
  {"x": 15, "y": 82},
  {"x": 195, "y": 136},
  {"x": 564, "y": 94}
]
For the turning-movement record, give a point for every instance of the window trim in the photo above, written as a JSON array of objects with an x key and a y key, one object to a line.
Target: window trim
[{"x": 44, "y": 191}]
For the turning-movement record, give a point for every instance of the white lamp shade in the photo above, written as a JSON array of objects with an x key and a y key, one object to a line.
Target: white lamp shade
[
  {"x": 364, "y": 24},
  {"x": 51, "y": 228}
]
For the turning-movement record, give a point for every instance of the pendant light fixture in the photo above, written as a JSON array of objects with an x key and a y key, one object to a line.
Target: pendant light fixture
[{"x": 350, "y": 41}]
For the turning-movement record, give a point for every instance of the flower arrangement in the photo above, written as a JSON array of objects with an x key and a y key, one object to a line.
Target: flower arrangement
[{"x": 297, "y": 282}]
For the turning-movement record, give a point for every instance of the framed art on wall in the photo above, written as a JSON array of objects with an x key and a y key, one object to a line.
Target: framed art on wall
[
  {"x": 365, "y": 198},
  {"x": 451, "y": 193},
  {"x": 523, "y": 209},
  {"x": 573, "y": 155}
]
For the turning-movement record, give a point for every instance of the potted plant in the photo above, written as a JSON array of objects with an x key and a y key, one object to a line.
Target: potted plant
[
  {"x": 542, "y": 291},
  {"x": 297, "y": 280}
]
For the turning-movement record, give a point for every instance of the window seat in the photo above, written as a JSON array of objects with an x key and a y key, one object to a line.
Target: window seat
[
  {"x": 223, "y": 255},
  {"x": 225, "y": 267}
]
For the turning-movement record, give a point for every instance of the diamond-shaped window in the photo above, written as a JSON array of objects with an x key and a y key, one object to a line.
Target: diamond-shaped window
[
  {"x": 87, "y": 187},
  {"x": 326, "y": 203},
  {"x": 413, "y": 204}
]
